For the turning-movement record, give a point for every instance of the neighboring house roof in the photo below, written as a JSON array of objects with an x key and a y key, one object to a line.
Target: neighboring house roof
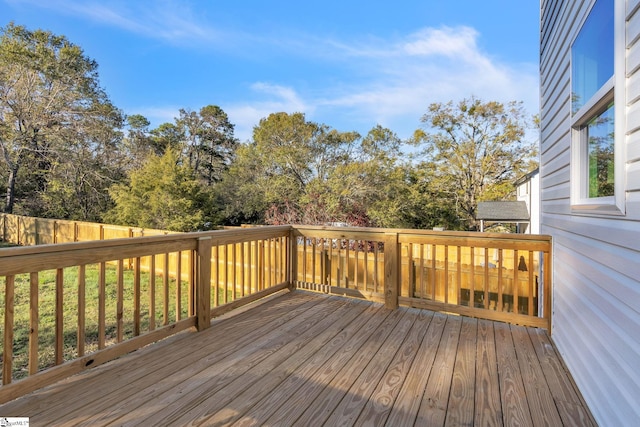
[
  {"x": 503, "y": 211},
  {"x": 527, "y": 177}
]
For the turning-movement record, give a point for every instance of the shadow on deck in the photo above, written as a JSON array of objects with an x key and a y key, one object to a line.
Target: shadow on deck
[{"x": 309, "y": 359}]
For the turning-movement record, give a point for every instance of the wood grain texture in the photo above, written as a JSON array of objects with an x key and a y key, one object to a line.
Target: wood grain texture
[{"x": 306, "y": 359}]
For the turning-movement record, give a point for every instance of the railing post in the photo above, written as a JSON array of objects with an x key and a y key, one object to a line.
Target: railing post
[
  {"x": 548, "y": 287},
  {"x": 391, "y": 270},
  {"x": 292, "y": 259},
  {"x": 203, "y": 283}
]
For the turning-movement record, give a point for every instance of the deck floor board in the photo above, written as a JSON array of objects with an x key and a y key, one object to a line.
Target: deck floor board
[{"x": 310, "y": 359}]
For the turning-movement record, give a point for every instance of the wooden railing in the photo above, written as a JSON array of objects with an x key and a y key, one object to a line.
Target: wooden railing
[
  {"x": 503, "y": 277},
  {"x": 67, "y": 307},
  {"x": 70, "y": 306}
]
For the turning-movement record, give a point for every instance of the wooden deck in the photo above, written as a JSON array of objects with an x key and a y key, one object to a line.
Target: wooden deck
[{"x": 310, "y": 359}]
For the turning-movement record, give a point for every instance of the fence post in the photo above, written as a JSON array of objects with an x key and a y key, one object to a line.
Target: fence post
[
  {"x": 203, "y": 283},
  {"x": 391, "y": 269}
]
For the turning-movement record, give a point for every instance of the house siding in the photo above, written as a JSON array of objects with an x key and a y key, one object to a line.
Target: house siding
[{"x": 596, "y": 265}]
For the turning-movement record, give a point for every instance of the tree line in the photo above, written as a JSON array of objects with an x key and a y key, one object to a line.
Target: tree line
[{"x": 67, "y": 152}]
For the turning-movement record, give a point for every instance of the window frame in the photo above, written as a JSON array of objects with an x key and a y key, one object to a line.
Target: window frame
[{"x": 611, "y": 91}]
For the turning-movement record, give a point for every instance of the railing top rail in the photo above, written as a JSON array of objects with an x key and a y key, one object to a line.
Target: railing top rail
[
  {"x": 44, "y": 257},
  {"x": 218, "y": 237},
  {"x": 345, "y": 232}
]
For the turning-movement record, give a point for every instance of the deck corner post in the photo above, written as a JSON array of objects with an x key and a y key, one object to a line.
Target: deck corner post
[
  {"x": 293, "y": 259},
  {"x": 391, "y": 270},
  {"x": 548, "y": 287},
  {"x": 203, "y": 283}
]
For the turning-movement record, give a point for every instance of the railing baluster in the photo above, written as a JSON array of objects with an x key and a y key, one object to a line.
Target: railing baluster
[
  {"x": 532, "y": 290},
  {"x": 225, "y": 270},
  {"x": 59, "y": 316},
  {"x": 365, "y": 264},
  {"x": 82, "y": 283},
  {"x": 486, "y": 279},
  {"x": 411, "y": 275},
  {"x": 7, "y": 349},
  {"x": 242, "y": 267},
  {"x": 330, "y": 264},
  {"x": 33, "y": 322},
  {"x": 191, "y": 309},
  {"x": 165, "y": 291},
  {"x": 234, "y": 269},
  {"x": 500, "y": 305},
  {"x": 472, "y": 285},
  {"x": 423, "y": 285},
  {"x": 346, "y": 260},
  {"x": 120, "y": 302},
  {"x": 459, "y": 275},
  {"x": 432, "y": 276},
  {"x": 178, "y": 286},
  {"x": 446, "y": 274},
  {"x": 152, "y": 293},
  {"x": 136, "y": 297},
  {"x": 216, "y": 287},
  {"x": 101, "y": 306},
  {"x": 516, "y": 283},
  {"x": 375, "y": 268},
  {"x": 356, "y": 264}
]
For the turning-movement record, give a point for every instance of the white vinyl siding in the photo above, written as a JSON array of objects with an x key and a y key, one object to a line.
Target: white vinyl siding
[{"x": 596, "y": 262}]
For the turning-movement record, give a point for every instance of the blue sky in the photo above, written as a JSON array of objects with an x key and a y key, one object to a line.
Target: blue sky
[{"x": 348, "y": 64}]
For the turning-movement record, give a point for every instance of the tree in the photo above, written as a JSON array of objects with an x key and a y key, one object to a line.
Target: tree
[
  {"x": 163, "y": 194},
  {"x": 475, "y": 151},
  {"x": 291, "y": 160},
  {"x": 209, "y": 142},
  {"x": 138, "y": 144},
  {"x": 167, "y": 136},
  {"x": 51, "y": 105}
]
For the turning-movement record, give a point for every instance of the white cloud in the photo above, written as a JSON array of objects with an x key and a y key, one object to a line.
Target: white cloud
[
  {"x": 285, "y": 96},
  {"x": 169, "y": 20},
  {"x": 397, "y": 80},
  {"x": 388, "y": 82},
  {"x": 444, "y": 41},
  {"x": 278, "y": 99}
]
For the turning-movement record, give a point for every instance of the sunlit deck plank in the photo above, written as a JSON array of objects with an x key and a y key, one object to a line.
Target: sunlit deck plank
[
  {"x": 238, "y": 398},
  {"x": 570, "y": 405},
  {"x": 306, "y": 382},
  {"x": 488, "y": 410},
  {"x": 321, "y": 408},
  {"x": 543, "y": 409},
  {"x": 405, "y": 409},
  {"x": 435, "y": 400},
  {"x": 310, "y": 359},
  {"x": 463, "y": 385},
  {"x": 239, "y": 369},
  {"x": 157, "y": 375},
  {"x": 515, "y": 409},
  {"x": 350, "y": 407},
  {"x": 384, "y": 396}
]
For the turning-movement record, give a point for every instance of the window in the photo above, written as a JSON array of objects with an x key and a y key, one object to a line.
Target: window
[{"x": 596, "y": 162}]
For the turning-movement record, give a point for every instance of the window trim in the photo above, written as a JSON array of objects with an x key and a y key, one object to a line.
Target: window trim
[{"x": 612, "y": 91}]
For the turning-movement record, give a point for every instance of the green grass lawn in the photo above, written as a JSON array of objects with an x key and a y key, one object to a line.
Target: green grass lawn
[{"x": 47, "y": 301}]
